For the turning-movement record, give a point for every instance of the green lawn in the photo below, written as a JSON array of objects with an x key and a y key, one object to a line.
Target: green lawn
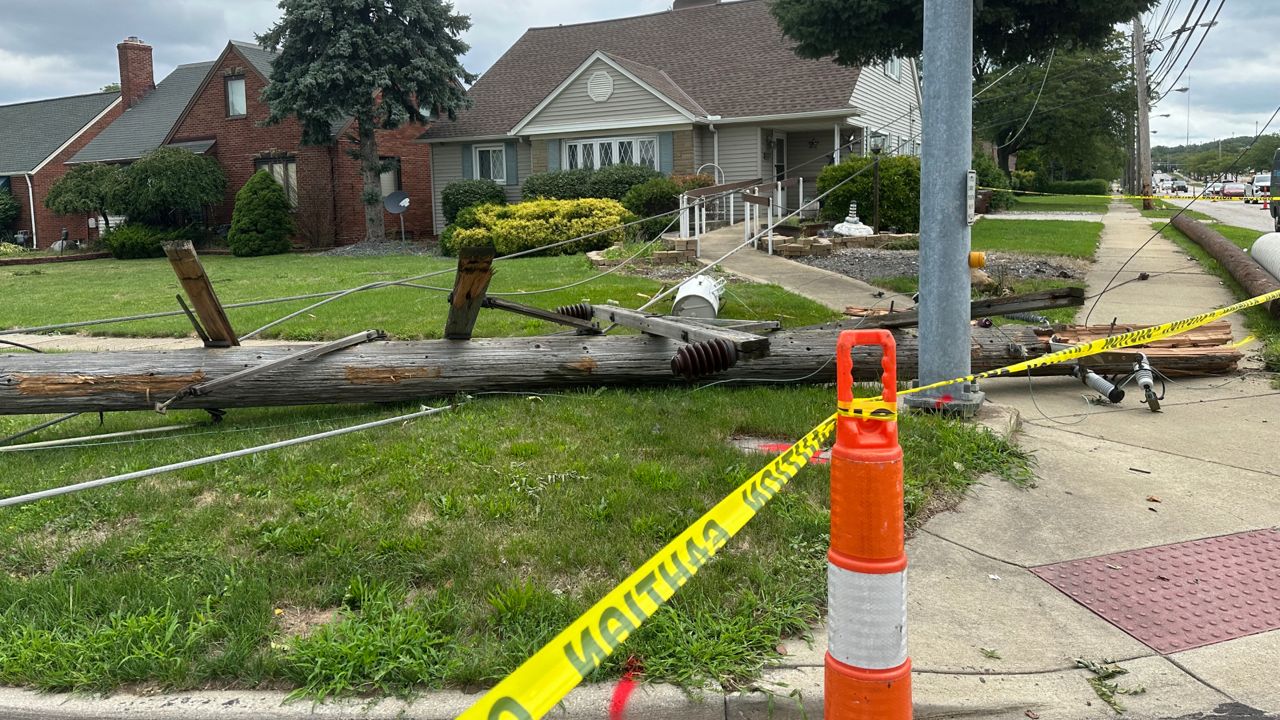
[
  {"x": 1059, "y": 203},
  {"x": 105, "y": 288},
  {"x": 1075, "y": 238},
  {"x": 1256, "y": 319},
  {"x": 441, "y": 552}
]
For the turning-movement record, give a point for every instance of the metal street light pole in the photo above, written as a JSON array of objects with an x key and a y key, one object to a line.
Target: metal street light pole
[{"x": 945, "y": 341}]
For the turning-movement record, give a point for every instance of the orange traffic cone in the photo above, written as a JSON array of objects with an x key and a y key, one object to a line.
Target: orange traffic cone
[{"x": 868, "y": 673}]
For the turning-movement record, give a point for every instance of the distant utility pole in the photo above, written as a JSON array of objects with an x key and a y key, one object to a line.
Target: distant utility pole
[
  {"x": 1144, "y": 112},
  {"x": 945, "y": 341}
]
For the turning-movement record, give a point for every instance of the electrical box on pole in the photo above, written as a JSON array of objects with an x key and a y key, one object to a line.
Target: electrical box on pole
[{"x": 971, "y": 196}]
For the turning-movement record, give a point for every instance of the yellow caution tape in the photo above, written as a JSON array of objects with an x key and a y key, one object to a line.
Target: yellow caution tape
[
  {"x": 546, "y": 677},
  {"x": 1248, "y": 339},
  {"x": 1129, "y": 339},
  {"x": 1201, "y": 198},
  {"x": 869, "y": 409}
]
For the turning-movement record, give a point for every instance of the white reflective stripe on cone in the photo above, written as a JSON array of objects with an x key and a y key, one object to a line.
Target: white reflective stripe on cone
[{"x": 867, "y": 618}]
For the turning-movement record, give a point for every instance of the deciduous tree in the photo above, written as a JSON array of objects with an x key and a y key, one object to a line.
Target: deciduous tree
[
  {"x": 1076, "y": 122},
  {"x": 85, "y": 189},
  {"x": 380, "y": 63},
  {"x": 168, "y": 187},
  {"x": 862, "y": 32}
]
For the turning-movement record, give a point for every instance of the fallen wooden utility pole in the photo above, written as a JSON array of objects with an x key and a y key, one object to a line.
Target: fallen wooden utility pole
[
  {"x": 405, "y": 371},
  {"x": 984, "y": 307},
  {"x": 1251, "y": 276}
]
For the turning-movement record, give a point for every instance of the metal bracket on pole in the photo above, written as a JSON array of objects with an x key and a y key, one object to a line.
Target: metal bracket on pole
[
  {"x": 584, "y": 327},
  {"x": 310, "y": 353},
  {"x": 195, "y": 323}
]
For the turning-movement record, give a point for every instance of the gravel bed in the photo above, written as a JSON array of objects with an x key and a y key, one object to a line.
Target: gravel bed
[
  {"x": 867, "y": 264},
  {"x": 386, "y": 247}
]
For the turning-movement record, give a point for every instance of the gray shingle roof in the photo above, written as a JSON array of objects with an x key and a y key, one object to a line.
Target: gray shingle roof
[
  {"x": 660, "y": 81},
  {"x": 143, "y": 127},
  {"x": 730, "y": 58},
  {"x": 258, "y": 56},
  {"x": 32, "y": 131},
  {"x": 199, "y": 147}
]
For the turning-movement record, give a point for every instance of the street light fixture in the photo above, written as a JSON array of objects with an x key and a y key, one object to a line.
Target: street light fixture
[{"x": 1187, "y": 89}]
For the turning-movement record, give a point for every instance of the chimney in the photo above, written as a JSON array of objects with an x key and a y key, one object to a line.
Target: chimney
[{"x": 136, "y": 76}]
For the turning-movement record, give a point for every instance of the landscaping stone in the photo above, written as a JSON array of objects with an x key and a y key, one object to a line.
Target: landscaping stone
[{"x": 866, "y": 263}]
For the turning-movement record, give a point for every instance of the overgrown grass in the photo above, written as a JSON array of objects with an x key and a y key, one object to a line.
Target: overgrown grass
[
  {"x": 1256, "y": 319},
  {"x": 908, "y": 284},
  {"x": 1059, "y": 203},
  {"x": 451, "y": 547},
  {"x": 105, "y": 288},
  {"x": 1075, "y": 238}
]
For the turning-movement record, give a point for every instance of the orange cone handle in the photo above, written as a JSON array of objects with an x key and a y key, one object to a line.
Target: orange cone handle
[{"x": 868, "y": 672}]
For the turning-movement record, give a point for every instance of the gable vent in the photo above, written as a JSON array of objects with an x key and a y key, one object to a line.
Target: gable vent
[{"x": 600, "y": 86}]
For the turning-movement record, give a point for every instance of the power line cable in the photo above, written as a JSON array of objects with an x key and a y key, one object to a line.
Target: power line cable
[
  {"x": 1213, "y": 21},
  {"x": 1035, "y": 104}
]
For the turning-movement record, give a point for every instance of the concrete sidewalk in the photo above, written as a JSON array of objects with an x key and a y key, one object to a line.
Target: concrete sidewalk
[{"x": 831, "y": 289}]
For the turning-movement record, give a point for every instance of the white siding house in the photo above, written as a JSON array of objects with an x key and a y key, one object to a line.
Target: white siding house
[{"x": 671, "y": 90}]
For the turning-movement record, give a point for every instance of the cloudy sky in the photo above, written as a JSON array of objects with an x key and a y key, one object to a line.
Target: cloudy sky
[{"x": 63, "y": 47}]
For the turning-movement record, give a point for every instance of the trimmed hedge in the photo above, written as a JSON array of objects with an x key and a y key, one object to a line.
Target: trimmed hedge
[
  {"x": 262, "y": 220},
  {"x": 899, "y": 191},
  {"x": 693, "y": 182},
  {"x": 461, "y": 194},
  {"x": 557, "y": 185},
  {"x": 1077, "y": 187},
  {"x": 512, "y": 228},
  {"x": 658, "y": 195},
  {"x": 614, "y": 181},
  {"x": 132, "y": 241},
  {"x": 991, "y": 176}
]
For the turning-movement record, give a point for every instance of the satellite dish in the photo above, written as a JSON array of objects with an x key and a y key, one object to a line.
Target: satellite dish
[{"x": 397, "y": 202}]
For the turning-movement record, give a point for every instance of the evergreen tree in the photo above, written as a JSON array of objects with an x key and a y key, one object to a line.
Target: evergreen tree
[
  {"x": 381, "y": 64},
  {"x": 262, "y": 220}
]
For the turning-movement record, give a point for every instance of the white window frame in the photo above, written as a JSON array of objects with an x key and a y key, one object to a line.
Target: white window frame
[
  {"x": 616, "y": 152},
  {"x": 498, "y": 171},
  {"x": 893, "y": 69},
  {"x": 241, "y": 94}
]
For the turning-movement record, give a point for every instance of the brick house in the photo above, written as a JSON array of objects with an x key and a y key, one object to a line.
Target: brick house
[
  {"x": 214, "y": 108},
  {"x": 36, "y": 140}
]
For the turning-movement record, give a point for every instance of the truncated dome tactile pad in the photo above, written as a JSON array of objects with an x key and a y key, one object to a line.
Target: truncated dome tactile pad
[{"x": 1181, "y": 596}]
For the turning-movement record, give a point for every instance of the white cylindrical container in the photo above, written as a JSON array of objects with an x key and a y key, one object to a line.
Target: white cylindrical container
[
  {"x": 1266, "y": 252},
  {"x": 698, "y": 298}
]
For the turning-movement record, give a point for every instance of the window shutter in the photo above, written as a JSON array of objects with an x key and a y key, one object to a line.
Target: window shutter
[
  {"x": 468, "y": 173},
  {"x": 513, "y": 163},
  {"x": 553, "y": 155},
  {"x": 666, "y": 153}
]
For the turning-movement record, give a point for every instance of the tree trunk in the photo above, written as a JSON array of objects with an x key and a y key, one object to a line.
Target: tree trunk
[
  {"x": 106, "y": 223},
  {"x": 1004, "y": 153},
  {"x": 411, "y": 371},
  {"x": 371, "y": 175}
]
